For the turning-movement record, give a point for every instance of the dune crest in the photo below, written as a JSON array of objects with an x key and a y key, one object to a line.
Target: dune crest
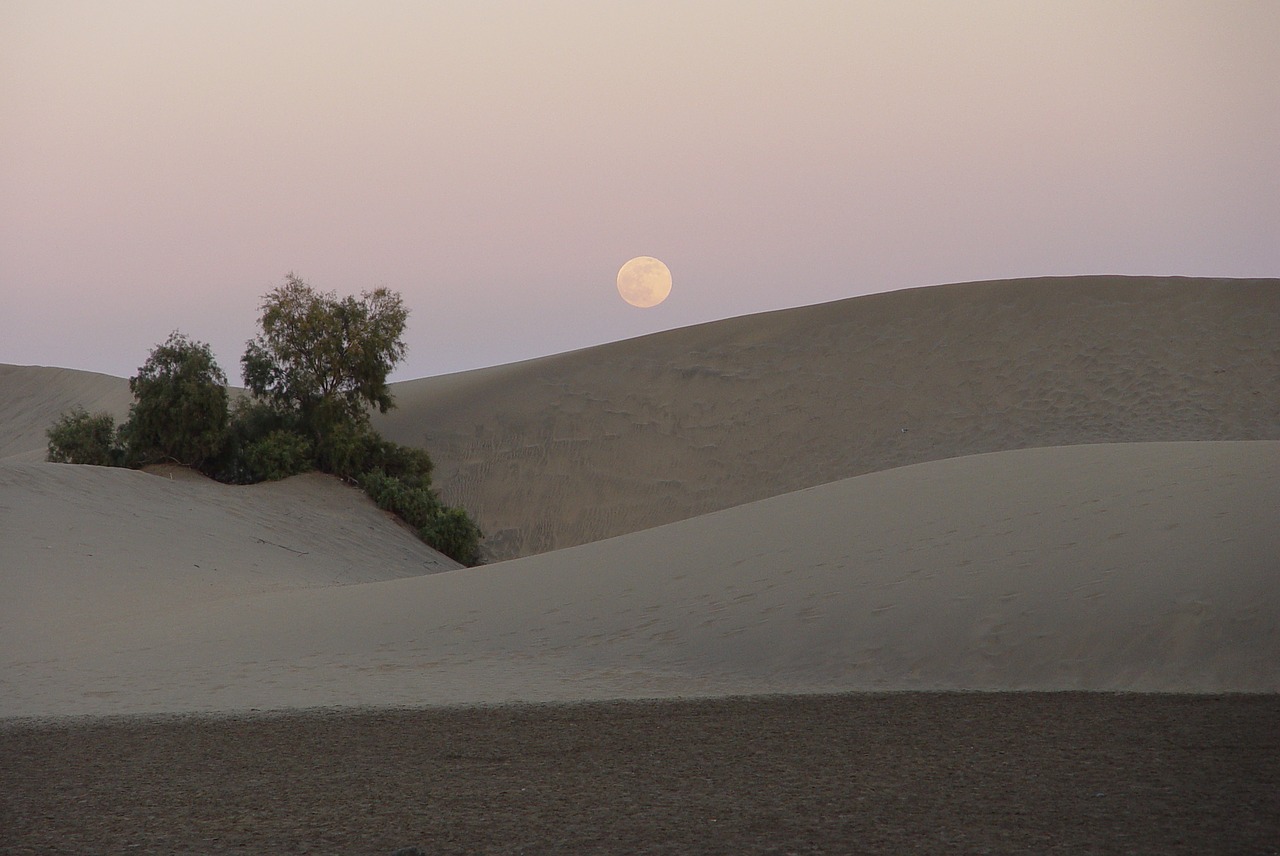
[
  {"x": 1140, "y": 567},
  {"x": 33, "y": 397},
  {"x": 1044, "y": 484},
  {"x": 582, "y": 446}
]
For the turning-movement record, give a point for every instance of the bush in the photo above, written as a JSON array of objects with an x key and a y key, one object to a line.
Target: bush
[
  {"x": 276, "y": 456},
  {"x": 417, "y": 506},
  {"x": 447, "y": 529},
  {"x": 80, "y": 438},
  {"x": 180, "y": 408},
  {"x": 350, "y": 450},
  {"x": 346, "y": 448},
  {"x": 315, "y": 371},
  {"x": 455, "y": 534},
  {"x": 250, "y": 422},
  {"x": 411, "y": 466}
]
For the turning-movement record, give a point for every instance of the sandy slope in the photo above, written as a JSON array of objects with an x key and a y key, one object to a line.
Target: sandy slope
[
  {"x": 586, "y": 445},
  {"x": 33, "y": 397},
  {"x": 1126, "y": 566},
  {"x": 844, "y": 552},
  {"x": 89, "y": 547}
]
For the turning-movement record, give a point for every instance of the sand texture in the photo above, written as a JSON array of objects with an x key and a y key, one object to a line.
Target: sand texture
[
  {"x": 587, "y": 445},
  {"x": 33, "y": 397},
  {"x": 1105, "y": 567},
  {"x": 865, "y": 774},
  {"x": 979, "y": 568}
]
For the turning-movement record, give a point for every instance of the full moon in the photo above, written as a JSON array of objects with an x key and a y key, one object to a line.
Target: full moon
[{"x": 644, "y": 281}]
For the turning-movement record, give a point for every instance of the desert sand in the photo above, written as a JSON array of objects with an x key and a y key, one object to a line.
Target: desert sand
[
  {"x": 33, "y": 397},
  {"x": 1057, "y": 485},
  {"x": 1140, "y": 567},
  {"x": 583, "y": 446},
  {"x": 904, "y": 773}
]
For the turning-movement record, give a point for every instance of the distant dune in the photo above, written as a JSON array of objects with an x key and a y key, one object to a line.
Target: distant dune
[
  {"x": 1044, "y": 484},
  {"x": 577, "y": 447},
  {"x": 33, "y": 397}
]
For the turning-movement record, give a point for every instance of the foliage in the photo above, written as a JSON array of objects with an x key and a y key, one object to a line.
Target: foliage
[
  {"x": 276, "y": 456},
  {"x": 455, "y": 534},
  {"x": 314, "y": 372},
  {"x": 180, "y": 409},
  {"x": 345, "y": 448},
  {"x": 80, "y": 438},
  {"x": 250, "y": 423},
  {"x": 252, "y": 420},
  {"x": 445, "y": 528},
  {"x": 416, "y": 506},
  {"x": 351, "y": 449},
  {"x": 411, "y": 466},
  {"x": 320, "y": 363},
  {"x": 324, "y": 358}
]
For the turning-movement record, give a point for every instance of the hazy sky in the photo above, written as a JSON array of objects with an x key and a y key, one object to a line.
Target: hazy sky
[{"x": 164, "y": 164}]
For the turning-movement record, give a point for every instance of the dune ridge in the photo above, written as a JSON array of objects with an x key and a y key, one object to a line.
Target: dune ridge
[
  {"x": 1048, "y": 484},
  {"x": 577, "y": 447},
  {"x": 33, "y": 397},
  {"x": 1139, "y": 567}
]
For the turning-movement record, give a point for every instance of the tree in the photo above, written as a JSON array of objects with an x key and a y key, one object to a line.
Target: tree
[
  {"x": 315, "y": 370},
  {"x": 319, "y": 365},
  {"x": 323, "y": 358},
  {"x": 180, "y": 408},
  {"x": 80, "y": 438}
]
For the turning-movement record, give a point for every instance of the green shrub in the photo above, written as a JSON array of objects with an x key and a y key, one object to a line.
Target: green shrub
[
  {"x": 278, "y": 455},
  {"x": 381, "y": 488},
  {"x": 416, "y": 506},
  {"x": 345, "y": 448},
  {"x": 80, "y": 438},
  {"x": 315, "y": 371},
  {"x": 444, "y": 528},
  {"x": 411, "y": 466},
  {"x": 455, "y": 534},
  {"x": 350, "y": 449},
  {"x": 180, "y": 409},
  {"x": 250, "y": 422}
]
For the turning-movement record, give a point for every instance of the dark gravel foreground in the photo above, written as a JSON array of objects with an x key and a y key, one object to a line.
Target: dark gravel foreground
[{"x": 898, "y": 773}]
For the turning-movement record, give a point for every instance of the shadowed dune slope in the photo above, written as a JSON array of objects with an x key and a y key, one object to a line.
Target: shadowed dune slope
[
  {"x": 587, "y": 445},
  {"x": 79, "y": 541},
  {"x": 1142, "y": 566},
  {"x": 33, "y": 397}
]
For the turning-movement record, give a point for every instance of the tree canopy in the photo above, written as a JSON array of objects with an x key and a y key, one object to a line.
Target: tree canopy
[
  {"x": 179, "y": 412},
  {"x": 324, "y": 358},
  {"x": 318, "y": 366}
]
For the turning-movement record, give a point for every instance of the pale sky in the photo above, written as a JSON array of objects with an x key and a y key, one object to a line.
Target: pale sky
[{"x": 164, "y": 164}]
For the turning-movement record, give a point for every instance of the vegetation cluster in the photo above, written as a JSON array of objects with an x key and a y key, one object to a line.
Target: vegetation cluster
[{"x": 312, "y": 375}]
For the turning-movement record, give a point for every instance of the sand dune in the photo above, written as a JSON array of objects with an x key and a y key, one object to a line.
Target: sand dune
[
  {"x": 587, "y": 445},
  {"x": 1048, "y": 484},
  {"x": 1104, "y": 567},
  {"x": 33, "y": 397},
  {"x": 88, "y": 545}
]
